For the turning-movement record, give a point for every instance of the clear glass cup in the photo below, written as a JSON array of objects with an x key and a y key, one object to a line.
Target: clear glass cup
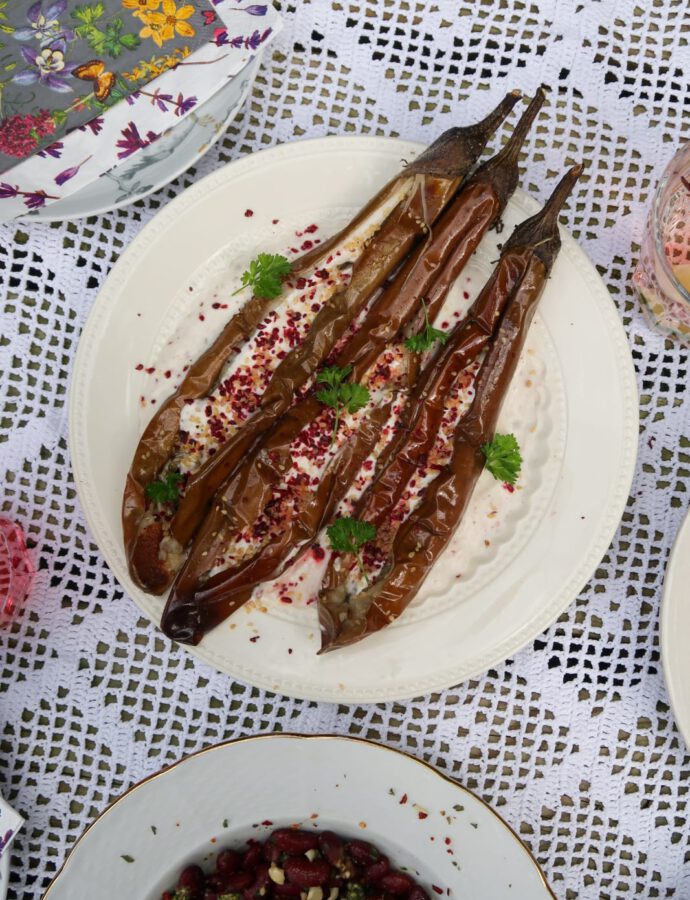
[{"x": 662, "y": 276}]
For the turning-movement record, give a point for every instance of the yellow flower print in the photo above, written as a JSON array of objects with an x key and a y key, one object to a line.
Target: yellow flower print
[
  {"x": 173, "y": 18},
  {"x": 153, "y": 28},
  {"x": 141, "y": 8}
]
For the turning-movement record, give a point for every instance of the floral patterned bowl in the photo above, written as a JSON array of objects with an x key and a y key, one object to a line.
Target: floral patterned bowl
[{"x": 161, "y": 162}]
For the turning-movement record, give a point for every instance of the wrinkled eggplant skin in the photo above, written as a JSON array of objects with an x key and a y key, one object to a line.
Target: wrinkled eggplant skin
[
  {"x": 384, "y": 253},
  {"x": 424, "y": 535},
  {"x": 435, "y": 176},
  {"x": 421, "y": 418},
  {"x": 429, "y": 274},
  {"x": 246, "y": 494},
  {"x": 194, "y": 608}
]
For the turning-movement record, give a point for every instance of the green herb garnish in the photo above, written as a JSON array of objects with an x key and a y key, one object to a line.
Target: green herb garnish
[
  {"x": 340, "y": 394},
  {"x": 165, "y": 490},
  {"x": 503, "y": 458},
  {"x": 421, "y": 341},
  {"x": 264, "y": 275},
  {"x": 348, "y": 535}
]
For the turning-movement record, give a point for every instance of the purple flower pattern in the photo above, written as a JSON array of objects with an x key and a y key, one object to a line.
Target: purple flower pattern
[{"x": 47, "y": 66}]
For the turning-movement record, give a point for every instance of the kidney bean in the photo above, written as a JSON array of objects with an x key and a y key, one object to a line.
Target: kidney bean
[
  {"x": 396, "y": 883},
  {"x": 287, "y": 890},
  {"x": 215, "y": 883},
  {"x": 252, "y": 856},
  {"x": 261, "y": 883},
  {"x": 295, "y": 841},
  {"x": 238, "y": 881},
  {"x": 228, "y": 861},
  {"x": 191, "y": 878},
  {"x": 375, "y": 872},
  {"x": 271, "y": 852},
  {"x": 304, "y": 873},
  {"x": 417, "y": 893},
  {"x": 362, "y": 852},
  {"x": 332, "y": 847}
]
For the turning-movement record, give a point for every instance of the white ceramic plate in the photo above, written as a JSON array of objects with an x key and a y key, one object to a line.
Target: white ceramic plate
[
  {"x": 154, "y": 167},
  {"x": 577, "y": 422},
  {"x": 675, "y": 628},
  {"x": 219, "y": 796}
]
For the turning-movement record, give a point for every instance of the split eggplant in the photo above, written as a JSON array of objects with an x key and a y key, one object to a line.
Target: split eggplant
[
  {"x": 153, "y": 543},
  {"x": 349, "y": 617},
  {"x": 198, "y": 601}
]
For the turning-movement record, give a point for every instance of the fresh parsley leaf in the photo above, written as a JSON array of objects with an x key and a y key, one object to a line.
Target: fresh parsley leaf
[
  {"x": 424, "y": 339},
  {"x": 165, "y": 490},
  {"x": 264, "y": 275},
  {"x": 340, "y": 394},
  {"x": 354, "y": 396},
  {"x": 333, "y": 375},
  {"x": 347, "y": 535},
  {"x": 503, "y": 458}
]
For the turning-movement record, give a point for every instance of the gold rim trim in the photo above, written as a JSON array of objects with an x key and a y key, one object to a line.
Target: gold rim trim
[{"x": 308, "y": 737}]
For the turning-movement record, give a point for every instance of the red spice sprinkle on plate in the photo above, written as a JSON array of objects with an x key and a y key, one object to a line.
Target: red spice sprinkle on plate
[
  {"x": 509, "y": 487},
  {"x": 267, "y": 823},
  {"x": 202, "y": 317},
  {"x": 248, "y": 213},
  {"x": 254, "y": 639},
  {"x": 275, "y": 221},
  {"x": 435, "y": 887},
  {"x": 139, "y": 367},
  {"x": 403, "y": 799},
  {"x": 422, "y": 815}
]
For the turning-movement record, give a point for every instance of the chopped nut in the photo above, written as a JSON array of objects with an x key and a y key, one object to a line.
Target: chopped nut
[
  {"x": 311, "y": 854},
  {"x": 276, "y": 874}
]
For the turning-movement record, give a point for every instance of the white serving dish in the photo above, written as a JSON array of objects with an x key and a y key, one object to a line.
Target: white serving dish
[{"x": 224, "y": 794}]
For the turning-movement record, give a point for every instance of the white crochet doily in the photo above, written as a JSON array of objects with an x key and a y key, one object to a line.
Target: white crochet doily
[{"x": 572, "y": 740}]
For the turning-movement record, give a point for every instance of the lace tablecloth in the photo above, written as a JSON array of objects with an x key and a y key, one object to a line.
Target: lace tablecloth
[{"x": 572, "y": 740}]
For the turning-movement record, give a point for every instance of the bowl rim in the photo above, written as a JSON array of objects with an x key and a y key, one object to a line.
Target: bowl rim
[{"x": 301, "y": 736}]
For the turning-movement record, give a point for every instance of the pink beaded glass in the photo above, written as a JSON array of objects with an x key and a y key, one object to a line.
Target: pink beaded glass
[{"x": 16, "y": 568}]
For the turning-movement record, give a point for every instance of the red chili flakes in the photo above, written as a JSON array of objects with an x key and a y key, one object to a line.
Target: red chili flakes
[
  {"x": 422, "y": 815},
  {"x": 275, "y": 221},
  {"x": 290, "y": 650},
  {"x": 285, "y": 599},
  {"x": 466, "y": 295},
  {"x": 254, "y": 639},
  {"x": 150, "y": 370},
  {"x": 248, "y": 213},
  {"x": 310, "y": 229},
  {"x": 139, "y": 367},
  {"x": 307, "y": 245},
  {"x": 436, "y": 889},
  {"x": 318, "y": 553},
  {"x": 202, "y": 317},
  {"x": 322, "y": 273},
  {"x": 403, "y": 800},
  {"x": 509, "y": 487},
  {"x": 447, "y": 841},
  {"x": 167, "y": 373},
  {"x": 267, "y": 823}
]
